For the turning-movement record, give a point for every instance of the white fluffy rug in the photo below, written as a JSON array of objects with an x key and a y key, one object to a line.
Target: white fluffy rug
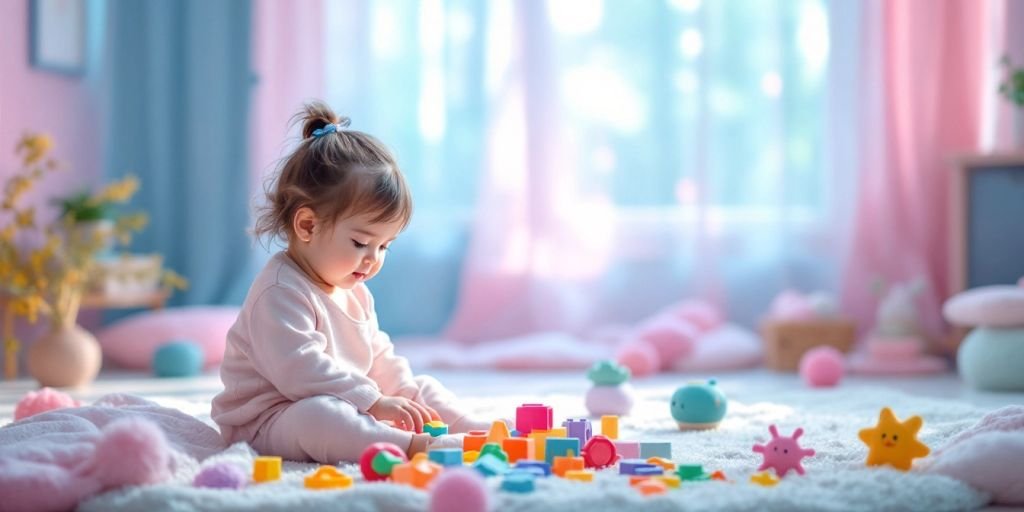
[{"x": 836, "y": 479}]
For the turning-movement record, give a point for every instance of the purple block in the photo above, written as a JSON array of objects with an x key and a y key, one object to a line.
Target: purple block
[
  {"x": 528, "y": 465},
  {"x": 630, "y": 466},
  {"x": 578, "y": 428},
  {"x": 649, "y": 471}
]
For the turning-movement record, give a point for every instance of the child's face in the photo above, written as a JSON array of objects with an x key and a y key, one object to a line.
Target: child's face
[{"x": 351, "y": 251}]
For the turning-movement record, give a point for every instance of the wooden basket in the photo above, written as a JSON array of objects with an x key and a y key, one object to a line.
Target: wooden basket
[{"x": 785, "y": 342}]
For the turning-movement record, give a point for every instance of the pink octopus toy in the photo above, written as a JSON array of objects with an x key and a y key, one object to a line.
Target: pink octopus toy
[{"x": 783, "y": 453}]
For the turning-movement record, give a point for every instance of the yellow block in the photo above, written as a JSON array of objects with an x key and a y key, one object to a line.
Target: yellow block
[
  {"x": 266, "y": 469},
  {"x": 671, "y": 481},
  {"x": 580, "y": 475},
  {"x": 470, "y": 456},
  {"x": 328, "y": 477},
  {"x": 610, "y": 426}
]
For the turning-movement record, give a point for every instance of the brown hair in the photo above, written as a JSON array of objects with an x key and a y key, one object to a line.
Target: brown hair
[{"x": 337, "y": 174}]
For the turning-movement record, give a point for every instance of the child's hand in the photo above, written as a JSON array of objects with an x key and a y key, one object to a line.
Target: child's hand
[{"x": 404, "y": 413}]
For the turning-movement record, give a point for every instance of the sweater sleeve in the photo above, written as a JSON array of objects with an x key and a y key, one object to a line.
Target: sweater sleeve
[
  {"x": 391, "y": 371},
  {"x": 289, "y": 352}
]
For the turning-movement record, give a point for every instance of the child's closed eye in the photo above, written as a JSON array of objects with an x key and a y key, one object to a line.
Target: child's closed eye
[{"x": 357, "y": 244}]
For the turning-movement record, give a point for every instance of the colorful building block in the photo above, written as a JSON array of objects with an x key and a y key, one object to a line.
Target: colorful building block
[
  {"x": 665, "y": 464},
  {"x": 378, "y": 459},
  {"x": 629, "y": 466},
  {"x": 518, "y": 481},
  {"x": 490, "y": 465},
  {"x": 650, "y": 449},
  {"x": 418, "y": 472},
  {"x": 530, "y": 417},
  {"x": 494, "y": 449},
  {"x": 628, "y": 449},
  {"x": 519, "y": 448},
  {"x": 580, "y": 475},
  {"x": 649, "y": 471},
  {"x": 541, "y": 465},
  {"x": 563, "y": 464},
  {"x": 328, "y": 477},
  {"x": 650, "y": 487},
  {"x": 610, "y": 426},
  {"x": 474, "y": 440},
  {"x": 670, "y": 481},
  {"x": 446, "y": 457},
  {"x": 266, "y": 469},
  {"x": 692, "y": 473},
  {"x": 470, "y": 456},
  {"x": 560, "y": 446},
  {"x": 435, "y": 428},
  {"x": 578, "y": 428},
  {"x": 498, "y": 433},
  {"x": 600, "y": 452}
]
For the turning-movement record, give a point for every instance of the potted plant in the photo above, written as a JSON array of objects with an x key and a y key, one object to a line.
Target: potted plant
[
  {"x": 45, "y": 267},
  {"x": 1012, "y": 88}
]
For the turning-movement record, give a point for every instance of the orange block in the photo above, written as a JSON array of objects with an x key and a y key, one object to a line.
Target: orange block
[
  {"x": 665, "y": 464},
  {"x": 474, "y": 440},
  {"x": 418, "y": 472},
  {"x": 518, "y": 448},
  {"x": 635, "y": 479},
  {"x": 499, "y": 432},
  {"x": 651, "y": 487},
  {"x": 266, "y": 469},
  {"x": 563, "y": 464}
]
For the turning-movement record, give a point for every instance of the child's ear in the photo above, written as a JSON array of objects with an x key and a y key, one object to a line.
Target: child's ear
[{"x": 303, "y": 223}]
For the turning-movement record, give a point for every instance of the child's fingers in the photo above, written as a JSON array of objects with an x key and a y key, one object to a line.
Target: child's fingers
[
  {"x": 406, "y": 418},
  {"x": 417, "y": 418}
]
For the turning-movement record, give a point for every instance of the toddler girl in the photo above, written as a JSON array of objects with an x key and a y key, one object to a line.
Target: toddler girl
[{"x": 308, "y": 374}]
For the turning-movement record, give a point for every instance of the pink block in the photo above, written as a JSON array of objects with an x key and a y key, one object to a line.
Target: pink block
[
  {"x": 530, "y": 417},
  {"x": 627, "y": 449}
]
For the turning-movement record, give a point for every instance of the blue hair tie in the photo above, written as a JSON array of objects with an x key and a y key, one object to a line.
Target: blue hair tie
[{"x": 330, "y": 128}]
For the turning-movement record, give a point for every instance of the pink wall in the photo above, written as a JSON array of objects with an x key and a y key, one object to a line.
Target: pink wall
[{"x": 41, "y": 101}]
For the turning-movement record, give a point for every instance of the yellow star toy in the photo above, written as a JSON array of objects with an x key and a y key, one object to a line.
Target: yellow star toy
[{"x": 894, "y": 442}]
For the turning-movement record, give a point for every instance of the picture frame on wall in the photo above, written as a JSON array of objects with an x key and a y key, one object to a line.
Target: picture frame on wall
[{"x": 57, "y": 33}]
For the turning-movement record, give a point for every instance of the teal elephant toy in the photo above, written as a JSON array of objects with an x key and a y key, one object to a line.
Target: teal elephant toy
[{"x": 698, "y": 406}]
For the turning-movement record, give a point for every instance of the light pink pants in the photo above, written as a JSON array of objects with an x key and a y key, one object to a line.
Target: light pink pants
[{"x": 327, "y": 430}]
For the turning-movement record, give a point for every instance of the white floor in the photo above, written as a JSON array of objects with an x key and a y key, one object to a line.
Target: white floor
[{"x": 193, "y": 395}]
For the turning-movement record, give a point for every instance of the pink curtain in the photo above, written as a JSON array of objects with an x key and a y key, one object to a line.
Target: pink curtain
[{"x": 932, "y": 63}]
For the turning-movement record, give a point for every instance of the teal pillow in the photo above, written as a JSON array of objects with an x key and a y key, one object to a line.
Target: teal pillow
[
  {"x": 178, "y": 358},
  {"x": 993, "y": 359}
]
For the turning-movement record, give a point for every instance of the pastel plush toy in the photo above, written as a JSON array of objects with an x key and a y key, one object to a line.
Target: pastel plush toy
[
  {"x": 896, "y": 346},
  {"x": 698, "y": 406},
  {"x": 611, "y": 393},
  {"x": 783, "y": 453},
  {"x": 894, "y": 442},
  {"x": 660, "y": 341},
  {"x": 989, "y": 357}
]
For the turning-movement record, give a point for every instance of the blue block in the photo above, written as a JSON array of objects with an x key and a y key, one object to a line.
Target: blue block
[
  {"x": 650, "y": 449},
  {"x": 446, "y": 456},
  {"x": 435, "y": 431},
  {"x": 629, "y": 466},
  {"x": 559, "y": 447},
  {"x": 489, "y": 465},
  {"x": 543, "y": 466},
  {"x": 649, "y": 471},
  {"x": 517, "y": 481}
]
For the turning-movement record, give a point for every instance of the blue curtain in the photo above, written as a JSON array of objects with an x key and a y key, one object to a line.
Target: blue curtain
[{"x": 179, "y": 81}]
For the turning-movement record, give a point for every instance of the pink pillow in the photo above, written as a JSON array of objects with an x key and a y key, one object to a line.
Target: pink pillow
[
  {"x": 131, "y": 342},
  {"x": 987, "y": 306}
]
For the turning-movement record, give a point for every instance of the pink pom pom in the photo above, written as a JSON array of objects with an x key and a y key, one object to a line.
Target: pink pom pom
[
  {"x": 641, "y": 358},
  {"x": 459, "y": 490},
  {"x": 46, "y": 399},
  {"x": 131, "y": 451},
  {"x": 822, "y": 367},
  {"x": 221, "y": 475}
]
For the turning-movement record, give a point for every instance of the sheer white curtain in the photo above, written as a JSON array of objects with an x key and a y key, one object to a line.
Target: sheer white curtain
[{"x": 583, "y": 163}]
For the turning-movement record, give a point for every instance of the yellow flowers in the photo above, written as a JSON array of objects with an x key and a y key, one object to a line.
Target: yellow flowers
[
  {"x": 34, "y": 147},
  {"x": 118, "y": 192}
]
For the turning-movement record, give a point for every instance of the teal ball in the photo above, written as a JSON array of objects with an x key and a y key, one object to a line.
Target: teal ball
[{"x": 178, "y": 358}]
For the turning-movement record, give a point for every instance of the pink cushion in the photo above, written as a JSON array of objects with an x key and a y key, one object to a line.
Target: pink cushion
[
  {"x": 131, "y": 342},
  {"x": 987, "y": 306}
]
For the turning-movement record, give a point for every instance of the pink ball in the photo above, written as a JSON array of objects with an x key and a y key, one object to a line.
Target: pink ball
[
  {"x": 46, "y": 399},
  {"x": 640, "y": 357},
  {"x": 822, "y": 367},
  {"x": 131, "y": 451},
  {"x": 459, "y": 490},
  {"x": 221, "y": 475}
]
